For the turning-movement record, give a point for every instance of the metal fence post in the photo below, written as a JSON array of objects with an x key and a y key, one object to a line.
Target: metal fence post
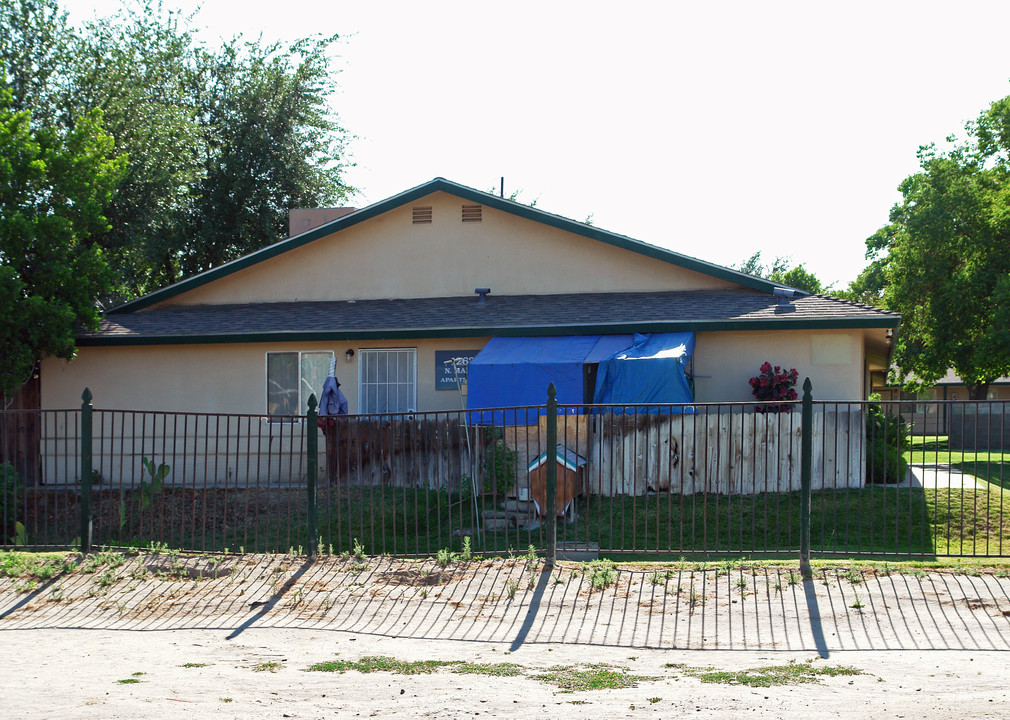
[
  {"x": 86, "y": 450},
  {"x": 312, "y": 450},
  {"x": 806, "y": 467},
  {"x": 552, "y": 474}
]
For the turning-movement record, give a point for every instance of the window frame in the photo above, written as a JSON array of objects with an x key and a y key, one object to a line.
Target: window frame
[
  {"x": 363, "y": 398},
  {"x": 301, "y": 402}
]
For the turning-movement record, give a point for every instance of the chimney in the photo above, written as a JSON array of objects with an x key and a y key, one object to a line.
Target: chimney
[{"x": 304, "y": 219}]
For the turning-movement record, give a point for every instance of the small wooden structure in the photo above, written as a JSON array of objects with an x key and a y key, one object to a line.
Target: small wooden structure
[{"x": 571, "y": 481}]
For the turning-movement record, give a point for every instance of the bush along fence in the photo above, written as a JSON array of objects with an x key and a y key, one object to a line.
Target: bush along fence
[{"x": 776, "y": 478}]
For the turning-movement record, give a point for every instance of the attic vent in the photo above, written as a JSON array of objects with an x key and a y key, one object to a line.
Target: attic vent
[
  {"x": 472, "y": 213},
  {"x": 422, "y": 215}
]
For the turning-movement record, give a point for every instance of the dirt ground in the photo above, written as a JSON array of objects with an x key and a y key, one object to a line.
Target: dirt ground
[{"x": 234, "y": 638}]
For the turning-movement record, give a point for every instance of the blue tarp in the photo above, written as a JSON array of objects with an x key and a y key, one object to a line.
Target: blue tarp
[
  {"x": 650, "y": 371},
  {"x": 515, "y": 371},
  {"x": 512, "y": 371}
]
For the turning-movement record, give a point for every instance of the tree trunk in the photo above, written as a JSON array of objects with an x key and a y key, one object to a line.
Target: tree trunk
[{"x": 979, "y": 390}]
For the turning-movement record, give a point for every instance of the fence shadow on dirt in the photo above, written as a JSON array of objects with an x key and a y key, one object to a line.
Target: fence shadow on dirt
[{"x": 518, "y": 601}]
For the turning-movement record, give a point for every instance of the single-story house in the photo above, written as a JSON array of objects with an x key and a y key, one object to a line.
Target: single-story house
[{"x": 388, "y": 292}]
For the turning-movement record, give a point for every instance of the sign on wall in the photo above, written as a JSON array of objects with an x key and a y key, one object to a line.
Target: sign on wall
[{"x": 451, "y": 365}]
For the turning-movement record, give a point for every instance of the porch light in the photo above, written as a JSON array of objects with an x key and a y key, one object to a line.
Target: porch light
[{"x": 349, "y": 354}]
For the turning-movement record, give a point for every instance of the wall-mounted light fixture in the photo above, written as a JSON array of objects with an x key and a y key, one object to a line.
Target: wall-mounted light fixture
[{"x": 349, "y": 354}]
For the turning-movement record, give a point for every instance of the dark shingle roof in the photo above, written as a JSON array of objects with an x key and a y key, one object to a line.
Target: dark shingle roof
[{"x": 464, "y": 317}]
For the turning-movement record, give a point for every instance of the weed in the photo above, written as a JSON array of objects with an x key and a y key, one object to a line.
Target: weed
[
  {"x": 511, "y": 587},
  {"x": 267, "y": 667},
  {"x": 742, "y": 584},
  {"x": 853, "y": 574},
  {"x": 492, "y": 669},
  {"x": 916, "y": 572},
  {"x": 857, "y": 605},
  {"x": 767, "y": 676},
  {"x": 26, "y": 587},
  {"x": 654, "y": 700},
  {"x": 559, "y": 579},
  {"x": 193, "y": 665},
  {"x": 531, "y": 555},
  {"x": 657, "y": 578},
  {"x": 602, "y": 573},
  {"x": 793, "y": 577},
  {"x": 444, "y": 557},
  {"x": 591, "y": 677},
  {"x": 377, "y": 663},
  {"x": 359, "y": 550},
  {"x": 128, "y": 681},
  {"x": 226, "y": 700},
  {"x": 467, "y": 554},
  {"x": 424, "y": 592}
]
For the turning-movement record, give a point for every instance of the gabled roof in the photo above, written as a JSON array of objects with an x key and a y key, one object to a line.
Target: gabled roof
[
  {"x": 466, "y": 193},
  {"x": 502, "y": 315}
]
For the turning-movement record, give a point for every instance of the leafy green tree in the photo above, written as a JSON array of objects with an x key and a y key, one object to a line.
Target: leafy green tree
[
  {"x": 780, "y": 272},
  {"x": 137, "y": 67},
  {"x": 947, "y": 261},
  {"x": 270, "y": 143},
  {"x": 35, "y": 45},
  {"x": 54, "y": 186}
]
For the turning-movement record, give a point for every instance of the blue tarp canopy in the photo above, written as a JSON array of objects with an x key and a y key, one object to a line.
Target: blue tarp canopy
[
  {"x": 650, "y": 371},
  {"x": 515, "y": 371}
]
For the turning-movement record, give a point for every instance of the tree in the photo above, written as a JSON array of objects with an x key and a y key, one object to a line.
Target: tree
[
  {"x": 270, "y": 143},
  {"x": 947, "y": 261},
  {"x": 34, "y": 50},
  {"x": 780, "y": 272},
  {"x": 137, "y": 67},
  {"x": 53, "y": 188},
  {"x": 222, "y": 141}
]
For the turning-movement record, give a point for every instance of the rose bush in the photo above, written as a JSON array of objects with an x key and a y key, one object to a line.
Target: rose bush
[{"x": 774, "y": 384}]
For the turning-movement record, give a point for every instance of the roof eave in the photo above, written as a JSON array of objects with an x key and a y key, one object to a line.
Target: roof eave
[{"x": 735, "y": 324}]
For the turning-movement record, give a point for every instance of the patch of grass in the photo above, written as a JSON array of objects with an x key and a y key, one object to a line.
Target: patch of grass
[
  {"x": 491, "y": 669},
  {"x": 267, "y": 667},
  {"x": 193, "y": 665},
  {"x": 576, "y": 678},
  {"x": 40, "y": 566},
  {"x": 792, "y": 674},
  {"x": 128, "y": 681},
  {"x": 379, "y": 663}
]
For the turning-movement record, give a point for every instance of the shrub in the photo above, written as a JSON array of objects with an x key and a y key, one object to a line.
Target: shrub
[
  {"x": 887, "y": 436},
  {"x": 12, "y": 494},
  {"x": 774, "y": 384},
  {"x": 500, "y": 465}
]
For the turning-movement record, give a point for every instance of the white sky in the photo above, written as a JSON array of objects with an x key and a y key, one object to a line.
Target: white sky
[{"x": 712, "y": 128}]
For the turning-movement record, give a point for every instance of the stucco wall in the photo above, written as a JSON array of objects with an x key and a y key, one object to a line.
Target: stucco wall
[
  {"x": 389, "y": 257},
  {"x": 725, "y": 361},
  {"x": 217, "y": 378},
  {"x": 232, "y": 377}
]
